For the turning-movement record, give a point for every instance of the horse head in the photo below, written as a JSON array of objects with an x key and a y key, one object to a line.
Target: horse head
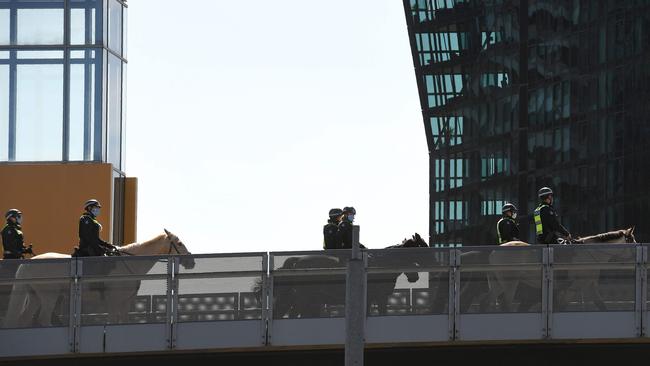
[
  {"x": 176, "y": 247},
  {"x": 629, "y": 235},
  {"x": 416, "y": 241}
]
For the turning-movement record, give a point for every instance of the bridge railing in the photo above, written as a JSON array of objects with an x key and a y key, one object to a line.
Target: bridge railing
[{"x": 252, "y": 300}]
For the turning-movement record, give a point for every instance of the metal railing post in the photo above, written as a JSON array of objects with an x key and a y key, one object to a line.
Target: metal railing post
[
  {"x": 264, "y": 300},
  {"x": 355, "y": 304},
  {"x": 640, "y": 290},
  {"x": 169, "y": 303},
  {"x": 269, "y": 298},
  {"x": 549, "y": 292},
  {"x": 454, "y": 292},
  {"x": 74, "y": 314},
  {"x": 546, "y": 275}
]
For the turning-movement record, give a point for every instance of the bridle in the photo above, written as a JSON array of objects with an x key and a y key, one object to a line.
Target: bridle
[{"x": 172, "y": 245}]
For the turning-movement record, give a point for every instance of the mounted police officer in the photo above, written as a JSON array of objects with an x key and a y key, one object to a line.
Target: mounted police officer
[
  {"x": 547, "y": 224},
  {"x": 345, "y": 228},
  {"x": 90, "y": 244},
  {"x": 331, "y": 239},
  {"x": 12, "y": 236},
  {"x": 508, "y": 227}
]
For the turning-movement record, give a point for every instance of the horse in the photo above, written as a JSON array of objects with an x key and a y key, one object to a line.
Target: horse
[
  {"x": 35, "y": 303},
  {"x": 308, "y": 296},
  {"x": 582, "y": 281}
]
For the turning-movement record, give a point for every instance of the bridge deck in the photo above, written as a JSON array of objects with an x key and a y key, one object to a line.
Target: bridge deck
[{"x": 265, "y": 304}]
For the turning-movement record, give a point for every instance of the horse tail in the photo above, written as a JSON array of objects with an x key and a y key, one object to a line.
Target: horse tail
[
  {"x": 20, "y": 306},
  {"x": 23, "y": 302}
]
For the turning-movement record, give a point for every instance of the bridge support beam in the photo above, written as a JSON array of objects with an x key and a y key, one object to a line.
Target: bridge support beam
[{"x": 355, "y": 304}]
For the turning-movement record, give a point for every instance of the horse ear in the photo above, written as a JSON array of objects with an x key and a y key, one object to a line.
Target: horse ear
[
  {"x": 632, "y": 229},
  {"x": 167, "y": 232}
]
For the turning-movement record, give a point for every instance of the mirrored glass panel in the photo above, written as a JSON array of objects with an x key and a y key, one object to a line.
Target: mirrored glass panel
[
  {"x": 40, "y": 26},
  {"x": 114, "y": 110},
  {"x": 115, "y": 26},
  {"x": 85, "y": 102},
  {"x": 4, "y": 27},
  {"x": 85, "y": 21},
  {"x": 4, "y": 112},
  {"x": 39, "y": 112}
]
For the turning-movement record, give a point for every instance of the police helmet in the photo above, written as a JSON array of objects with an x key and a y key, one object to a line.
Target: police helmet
[
  {"x": 92, "y": 202},
  {"x": 543, "y": 192},
  {"x": 349, "y": 210},
  {"x": 336, "y": 212},
  {"x": 508, "y": 207},
  {"x": 13, "y": 213}
]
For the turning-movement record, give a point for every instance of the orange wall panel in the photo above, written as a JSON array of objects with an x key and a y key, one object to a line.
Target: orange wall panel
[
  {"x": 51, "y": 197},
  {"x": 130, "y": 210}
]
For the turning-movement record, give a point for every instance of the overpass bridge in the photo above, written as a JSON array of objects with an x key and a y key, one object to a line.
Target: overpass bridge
[{"x": 291, "y": 305}]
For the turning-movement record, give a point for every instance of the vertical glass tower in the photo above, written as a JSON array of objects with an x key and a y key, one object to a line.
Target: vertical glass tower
[
  {"x": 62, "y": 92},
  {"x": 520, "y": 94},
  {"x": 62, "y": 67}
]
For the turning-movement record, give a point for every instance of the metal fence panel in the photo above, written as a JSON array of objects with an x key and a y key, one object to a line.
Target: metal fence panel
[
  {"x": 306, "y": 290},
  {"x": 500, "y": 293},
  {"x": 594, "y": 291},
  {"x": 123, "y": 304},
  {"x": 220, "y": 302}
]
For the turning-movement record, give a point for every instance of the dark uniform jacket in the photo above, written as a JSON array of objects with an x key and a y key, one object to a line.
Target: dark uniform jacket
[
  {"x": 345, "y": 234},
  {"x": 12, "y": 241},
  {"x": 551, "y": 228},
  {"x": 89, "y": 242},
  {"x": 331, "y": 239},
  {"x": 507, "y": 230}
]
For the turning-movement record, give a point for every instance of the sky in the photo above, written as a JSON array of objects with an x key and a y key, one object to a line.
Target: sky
[{"x": 248, "y": 121}]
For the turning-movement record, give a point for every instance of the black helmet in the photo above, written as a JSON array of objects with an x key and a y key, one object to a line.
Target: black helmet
[
  {"x": 92, "y": 202},
  {"x": 335, "y": 212},
  {"x": 349, "y": 210},
  {"x": 543, "y": 192},
  {"x": 508, "y": 207},
  {"x": 13, "y": 213}
]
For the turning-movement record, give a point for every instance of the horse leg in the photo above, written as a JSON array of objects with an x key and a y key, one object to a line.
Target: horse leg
[
  {"x": 48, "y": 299},
  {"x": 592, "y": 293},
  {"x": 22, "y": 307},
  {"x": 495, "y": 285}
]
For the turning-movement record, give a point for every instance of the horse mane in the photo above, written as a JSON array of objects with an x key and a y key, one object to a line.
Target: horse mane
[
  {"x": 515, "y": 243},
  {"x": 134, "y": 247},
  {"x": 395, "y": 246},
  {"x": 604, "y": 236}
]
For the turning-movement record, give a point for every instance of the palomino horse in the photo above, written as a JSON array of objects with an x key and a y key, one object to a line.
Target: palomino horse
[
  {"x": 304, "y": 296},
  {"x": 582, "y": 281},
  {"x": 30, "y": 302}
]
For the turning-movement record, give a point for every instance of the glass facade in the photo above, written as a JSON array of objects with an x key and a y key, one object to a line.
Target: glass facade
[
  {"x": 520, "y": 94},
  {"x": 61, "y": 80}
]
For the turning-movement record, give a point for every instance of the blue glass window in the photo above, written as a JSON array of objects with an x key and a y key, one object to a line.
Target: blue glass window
[
  {"x": 4, "y": 27},
  {"x": 85, "y": 21},
  {"x": 40, "y": 26},
  {"x": 447, "y": 130},
  {"x": 441, "y": 88},
  {"x": 439, "y": 217},
  {"x": 114, "y": 110},
  {"x": 115, "y": 26},
  {"x": 39, "y": 112},
  {"x": 85, "y": 102},
  {"x": 4, "y": 112}
]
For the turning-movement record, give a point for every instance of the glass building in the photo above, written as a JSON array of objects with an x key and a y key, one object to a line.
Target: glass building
[
  {"x": 520, "y": 94},
  {"x": 62, "y": 101},
  {"x": 62, "y": 68}
]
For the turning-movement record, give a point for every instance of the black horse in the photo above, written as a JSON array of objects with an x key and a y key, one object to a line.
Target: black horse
[{"x": 323, "y": 295}]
